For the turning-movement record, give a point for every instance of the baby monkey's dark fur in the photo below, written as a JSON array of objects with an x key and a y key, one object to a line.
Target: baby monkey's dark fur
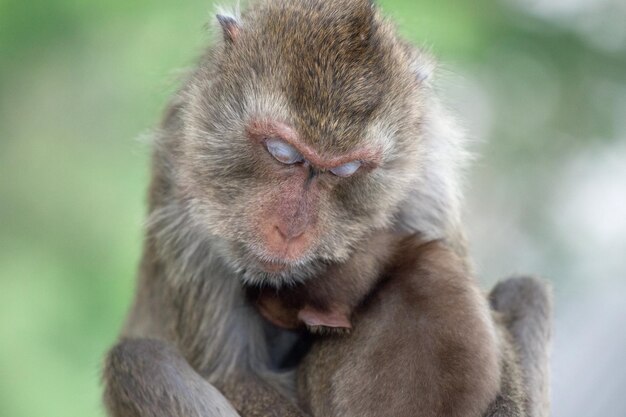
[
  {"x": 325, "y": 303},
  {"x": 423, "y": 342}
]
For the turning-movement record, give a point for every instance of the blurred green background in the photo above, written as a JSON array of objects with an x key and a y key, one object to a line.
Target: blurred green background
[{"x": 540, "y": 85}]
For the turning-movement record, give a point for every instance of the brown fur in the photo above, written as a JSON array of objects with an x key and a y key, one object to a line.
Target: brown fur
[
  {"x": 332, "y": 295},
  {"x": 426, "y": 326},
  {"x": 335, "y": 73}
]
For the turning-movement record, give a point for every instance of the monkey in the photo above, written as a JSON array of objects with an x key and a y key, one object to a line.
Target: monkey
[
  {"x": 426, "y": 326},
  {"x": 305, "y": 126}
]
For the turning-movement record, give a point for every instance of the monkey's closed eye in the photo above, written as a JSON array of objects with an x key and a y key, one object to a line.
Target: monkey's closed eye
[
  {"x": 283, "y": 152},
  {"x": 346, "y": 170}
]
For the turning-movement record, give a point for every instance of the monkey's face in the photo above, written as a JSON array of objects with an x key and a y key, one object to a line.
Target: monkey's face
[{"x": 297, "y": 145}]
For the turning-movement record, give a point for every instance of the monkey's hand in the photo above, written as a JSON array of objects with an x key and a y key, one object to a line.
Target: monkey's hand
[
  {"x": 274, "y": 309},
  {"x": 288, "y": 310},
  {"x": 252, "y": 396}
]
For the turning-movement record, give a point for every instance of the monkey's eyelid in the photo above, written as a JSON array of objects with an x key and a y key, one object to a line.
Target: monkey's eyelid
[
  {"x": 347, "y": 170},
  {"x": 283, "y": 152}
]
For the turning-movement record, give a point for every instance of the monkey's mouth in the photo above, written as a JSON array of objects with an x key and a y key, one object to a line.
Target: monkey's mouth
[
  {"x": 272, "y": 266},
  {"x": 260, "y": 268},
  {"x": 260, "y": 262},
  {"x": 263, "y": 271}
]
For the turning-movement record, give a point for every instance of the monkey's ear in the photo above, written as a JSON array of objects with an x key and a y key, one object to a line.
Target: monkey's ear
[
  {"x": 230, "y": 27},
  {"x": 333, "y": 318}
]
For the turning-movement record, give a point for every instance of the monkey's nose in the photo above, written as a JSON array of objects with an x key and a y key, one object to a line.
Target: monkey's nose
[{"x": 287, "y": 243}]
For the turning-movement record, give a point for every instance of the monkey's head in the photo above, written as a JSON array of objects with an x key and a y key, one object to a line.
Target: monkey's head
[{"x": 301, "y": 135}]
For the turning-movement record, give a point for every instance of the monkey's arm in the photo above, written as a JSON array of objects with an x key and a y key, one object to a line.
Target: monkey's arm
[
  {"x": 192, "y": 351},
  {"x": 426, "y": 325},
  {"x": 146, "y": 377}
]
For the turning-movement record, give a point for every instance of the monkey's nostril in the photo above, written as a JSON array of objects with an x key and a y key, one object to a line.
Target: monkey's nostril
[
  {"x": 280, "y": 233},
  {"x": 289, "y": 233}
]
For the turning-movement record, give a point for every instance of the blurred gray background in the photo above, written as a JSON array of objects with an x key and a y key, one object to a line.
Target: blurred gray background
[{"x": 540, "y": 86}]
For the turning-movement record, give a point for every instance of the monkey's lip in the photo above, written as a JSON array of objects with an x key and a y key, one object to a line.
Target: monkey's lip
[
  {"x": 272, "y": 267},
  {"x": 275, "y": 263}
]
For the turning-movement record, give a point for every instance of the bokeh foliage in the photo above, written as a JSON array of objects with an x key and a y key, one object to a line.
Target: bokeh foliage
[{"x": 81, "y": 80}]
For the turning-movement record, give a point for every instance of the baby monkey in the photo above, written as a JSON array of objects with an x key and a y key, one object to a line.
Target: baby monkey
[{"x": 421, "y": 339}]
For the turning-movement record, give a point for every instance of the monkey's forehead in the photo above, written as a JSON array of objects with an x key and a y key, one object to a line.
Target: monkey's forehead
[{"x": 336, "y": 63}]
